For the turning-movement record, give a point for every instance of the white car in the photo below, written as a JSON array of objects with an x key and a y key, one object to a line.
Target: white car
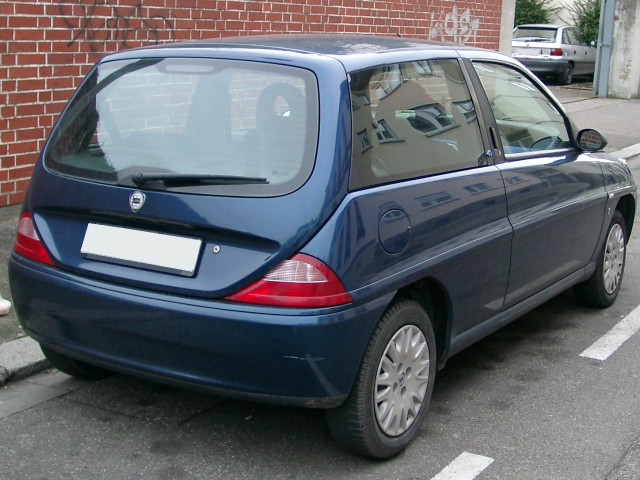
[{"x": 553, "y": 50}]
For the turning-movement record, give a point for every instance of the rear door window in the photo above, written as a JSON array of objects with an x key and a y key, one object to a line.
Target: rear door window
[
  {"x": 572, "y": 37},
  {"x": 412, "y": 120},
  {"x": 194, "y": 125}
]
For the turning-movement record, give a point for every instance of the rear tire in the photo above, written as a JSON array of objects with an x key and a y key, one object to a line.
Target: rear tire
[
  {"x": 566, "y": 77},
  {"x": 393, "y": 388},
  {"x": 73, "y": 367},
  {"x": 602, "y": 288}
]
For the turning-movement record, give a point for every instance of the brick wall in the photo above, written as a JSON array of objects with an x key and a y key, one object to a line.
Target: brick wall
[{"x": 46, "y": 46}]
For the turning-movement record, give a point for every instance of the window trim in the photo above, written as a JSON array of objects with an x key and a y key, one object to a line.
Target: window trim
[
  {"x": 500, "y": 156},
  {"x": 466, "y": 80}
]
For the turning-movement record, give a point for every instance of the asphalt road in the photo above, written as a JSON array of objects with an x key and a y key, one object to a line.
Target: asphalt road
[{"x": 522, "y": 404}]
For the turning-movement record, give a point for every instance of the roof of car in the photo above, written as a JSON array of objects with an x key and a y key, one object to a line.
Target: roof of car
[
  {"x": 328, "y": 44},
  {"x": 541, "y": 25},
  {"x": 351, "y": 50}
]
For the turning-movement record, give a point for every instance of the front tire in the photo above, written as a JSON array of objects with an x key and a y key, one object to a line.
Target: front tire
[
  {"x": 392, "y": 391},
  {"x": 73, "y": 367},
  {"x": 602, "y": 288}
]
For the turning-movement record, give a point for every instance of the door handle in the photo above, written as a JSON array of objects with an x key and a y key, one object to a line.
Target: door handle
[{"x": 494, "y": 137}]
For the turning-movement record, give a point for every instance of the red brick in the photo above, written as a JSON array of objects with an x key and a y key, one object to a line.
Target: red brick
[
  {"x": 26, "y": 159},
  {"x": 21, "y": 172},
  {"x": 52, "y": 35},
  {"x": 7, "y": 187},
  {"x": 23, "y": 21},
  {"x": 29, "y": 133},
  {"x": 30, "y": 34},
  {"x": 29, "y": 8},
  {"x": 9, "y": 86},
  {"x": 31, "y": 58},
  {"x": 31, "y": 84},
  {"x": 7, "y": 161},
  {"x": 17, "y": 98},
  {"x": 8, "y": 136},
  {"x": 16, "y": 198}
]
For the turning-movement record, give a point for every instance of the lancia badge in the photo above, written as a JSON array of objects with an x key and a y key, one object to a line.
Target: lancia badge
[{"x": 136, "y": 200}]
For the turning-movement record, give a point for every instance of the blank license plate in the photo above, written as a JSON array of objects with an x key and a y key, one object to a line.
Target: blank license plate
[
  {"x": 139, "y": 248},
  {"x": 531, "y": 51}
]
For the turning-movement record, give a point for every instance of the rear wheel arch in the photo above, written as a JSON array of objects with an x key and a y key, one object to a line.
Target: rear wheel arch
[{"x": 433, "y": 298}]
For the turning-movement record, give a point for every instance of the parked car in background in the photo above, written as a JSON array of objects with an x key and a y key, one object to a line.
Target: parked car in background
[
  {"x": 318, "y": 221},
  {"x": 553, "y": 50}
]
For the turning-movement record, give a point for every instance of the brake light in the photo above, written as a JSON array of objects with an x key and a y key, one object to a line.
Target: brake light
[
  {"x": 28, "y": 243},
  {"x": 556, "y": 52},
  {"x": 301, "y": 281}
]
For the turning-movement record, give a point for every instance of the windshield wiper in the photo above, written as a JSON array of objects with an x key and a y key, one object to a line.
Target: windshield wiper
[{"x": 183, "y": 180}]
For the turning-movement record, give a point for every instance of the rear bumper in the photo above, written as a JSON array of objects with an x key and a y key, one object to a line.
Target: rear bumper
[
  {"x": 543, "y": 66},
  {"x": 274, "y": 355}
]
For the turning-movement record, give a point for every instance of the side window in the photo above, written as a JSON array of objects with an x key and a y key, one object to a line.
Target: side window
[
  {"x": 411, "y": 120},
  {"x": 527, "y": 120},
  {"x": 571, "y": 37}
]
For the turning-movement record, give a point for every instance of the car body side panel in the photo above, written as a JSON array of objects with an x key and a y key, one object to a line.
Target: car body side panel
[
  {"x": 556, "y": 206},
  {"x": 458, "y": 226}
]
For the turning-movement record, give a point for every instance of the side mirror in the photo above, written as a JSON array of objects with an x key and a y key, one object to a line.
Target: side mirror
[{"x": 590, "y": 140}]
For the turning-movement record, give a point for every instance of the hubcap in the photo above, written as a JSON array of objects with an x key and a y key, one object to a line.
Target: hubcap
[
  {"x": 402, "y": 380},
  {"x": 613, "y": 259}
]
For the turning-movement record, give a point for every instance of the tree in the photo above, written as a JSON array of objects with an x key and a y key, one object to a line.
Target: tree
[
  {"x": 585, "y": 14},
  {"x": 533, "y": 11}
]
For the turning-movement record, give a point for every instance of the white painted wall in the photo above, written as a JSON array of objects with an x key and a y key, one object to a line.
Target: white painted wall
[{"x": 563, "y": 16}]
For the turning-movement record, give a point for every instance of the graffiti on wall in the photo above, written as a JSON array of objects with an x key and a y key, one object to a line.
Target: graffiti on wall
[
  {"x": 454, "y": 26},
  {"x": 122, "y": 24}
]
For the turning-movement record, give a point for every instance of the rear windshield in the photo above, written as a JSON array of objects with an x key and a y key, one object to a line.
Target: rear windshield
[
  {"x": 208, "y": 126},
  {"x": 533, "y": 34}
]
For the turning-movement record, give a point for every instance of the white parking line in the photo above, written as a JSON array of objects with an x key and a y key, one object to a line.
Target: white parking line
[
  {"x": 614, "y": 338},
  {"x": 466, "y": 467}
]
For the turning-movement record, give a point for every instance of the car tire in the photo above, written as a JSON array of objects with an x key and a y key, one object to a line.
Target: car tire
[
  {"x": 602, "y": 288},
  {"x": 566, "y": 76},
  {"x": 393, "y": 388},
  {"x": 73, "y": 367}
]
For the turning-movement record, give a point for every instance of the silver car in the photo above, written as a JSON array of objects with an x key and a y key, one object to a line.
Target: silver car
[{"x": 553, "y": 50}]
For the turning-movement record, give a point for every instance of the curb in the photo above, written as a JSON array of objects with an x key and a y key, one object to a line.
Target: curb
[
  {"x": 22, "y": 357},
  {"x": 628, "y": 152}
]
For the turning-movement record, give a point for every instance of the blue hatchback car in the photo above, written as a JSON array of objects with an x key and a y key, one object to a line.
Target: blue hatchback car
[{"x": 318, "y": 221}]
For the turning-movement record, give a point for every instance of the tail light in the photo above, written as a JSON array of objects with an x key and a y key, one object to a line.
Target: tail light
[
  {"x": 556, "y": 52},
  {"x": 301, "y": 281},
  {"x": 28, "y": 243}
]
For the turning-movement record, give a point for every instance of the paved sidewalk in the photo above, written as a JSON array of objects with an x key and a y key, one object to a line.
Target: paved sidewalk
[{"x": 618, "y": 120}]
